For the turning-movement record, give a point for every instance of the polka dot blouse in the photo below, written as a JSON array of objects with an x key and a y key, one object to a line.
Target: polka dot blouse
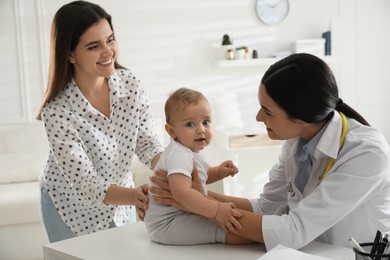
[{"x": 90, "y": 152}]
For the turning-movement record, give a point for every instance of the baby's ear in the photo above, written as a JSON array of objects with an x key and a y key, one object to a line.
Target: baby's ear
[{"x": 170, "y": 130}]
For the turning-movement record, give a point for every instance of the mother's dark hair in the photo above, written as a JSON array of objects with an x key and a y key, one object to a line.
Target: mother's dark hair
[
  {"x": 69, "y": 23},
  {"x": 304, "y": 86}
]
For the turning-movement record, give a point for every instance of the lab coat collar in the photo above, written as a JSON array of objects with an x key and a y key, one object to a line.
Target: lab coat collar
[
  {"x": 329, "y": 143},
  {"x": 328, "y": 146},
  {"x": 330, "y": 140}
]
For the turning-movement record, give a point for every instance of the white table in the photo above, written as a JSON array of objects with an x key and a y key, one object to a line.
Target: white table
[{"x": 132, "y": 242}]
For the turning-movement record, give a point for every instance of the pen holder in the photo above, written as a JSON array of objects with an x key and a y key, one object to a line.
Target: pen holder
[{"x": 368, "y": 256}]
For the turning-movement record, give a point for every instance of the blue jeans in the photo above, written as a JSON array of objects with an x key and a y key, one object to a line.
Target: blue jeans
[{"x": 55, "y": 227}]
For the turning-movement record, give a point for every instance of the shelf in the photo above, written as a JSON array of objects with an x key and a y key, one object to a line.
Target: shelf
[
  {"x": 246, "y": 62},
  {"x": 263, "y": 62},
  {"x": 244, "y": 139},
  {"x": 251, "y": 141}
]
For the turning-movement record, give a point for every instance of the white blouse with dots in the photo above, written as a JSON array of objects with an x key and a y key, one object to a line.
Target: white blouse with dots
[{"x": 90, "y": 152}]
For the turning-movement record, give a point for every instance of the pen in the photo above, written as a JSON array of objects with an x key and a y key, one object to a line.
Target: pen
[
  {"x": 382, "y": 246},
  {"x": 386, "y": 240},
  {"x": 355, "y": 245},
  {"x": 378, "y": 238},
  {"x": 387, "y": 249}
]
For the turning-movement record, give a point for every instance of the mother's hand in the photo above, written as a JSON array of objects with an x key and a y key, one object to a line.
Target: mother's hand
[{"x": 141, "y": 201}]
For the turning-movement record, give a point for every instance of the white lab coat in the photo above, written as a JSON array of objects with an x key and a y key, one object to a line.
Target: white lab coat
[{"x": 353, "y": 200}]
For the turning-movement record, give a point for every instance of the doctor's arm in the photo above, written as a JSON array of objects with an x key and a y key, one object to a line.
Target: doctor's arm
[
  {"x": 252, "y": 227},
  {"x": 241, "y": 203}
]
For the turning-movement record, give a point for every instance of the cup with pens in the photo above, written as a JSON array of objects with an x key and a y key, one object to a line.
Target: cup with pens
[{"x": 379, "y": 249}]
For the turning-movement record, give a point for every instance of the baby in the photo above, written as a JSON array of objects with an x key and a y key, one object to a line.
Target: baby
[{"x": 188, "y": 123}]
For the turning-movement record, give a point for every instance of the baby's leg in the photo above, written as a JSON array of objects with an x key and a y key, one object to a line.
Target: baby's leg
[{"x": 189, "y": 229}]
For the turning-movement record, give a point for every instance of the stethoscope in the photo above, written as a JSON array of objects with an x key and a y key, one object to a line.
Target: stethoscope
[{"x": 344, "y": 128}]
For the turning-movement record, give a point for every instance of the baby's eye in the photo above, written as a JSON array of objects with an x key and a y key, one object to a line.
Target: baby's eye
[
  {"x": 206, "y": 122},
  {"x": 190, "y": 124}
]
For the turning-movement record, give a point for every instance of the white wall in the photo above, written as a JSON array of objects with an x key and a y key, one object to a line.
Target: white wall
[
  {"x": 174, "y": 43},
  {"x": 367, "y": 60}
]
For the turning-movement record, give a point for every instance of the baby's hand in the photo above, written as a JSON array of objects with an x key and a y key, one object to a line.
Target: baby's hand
[
  {"x": 227, "y": 168},
  {"x": 226, "y": 217}
]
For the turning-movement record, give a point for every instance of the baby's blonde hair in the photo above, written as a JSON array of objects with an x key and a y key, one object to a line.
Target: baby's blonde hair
[{"x": 180, "y": 98}]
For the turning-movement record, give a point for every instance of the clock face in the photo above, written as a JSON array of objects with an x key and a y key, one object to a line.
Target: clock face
[{"x": 272, "y": 12}]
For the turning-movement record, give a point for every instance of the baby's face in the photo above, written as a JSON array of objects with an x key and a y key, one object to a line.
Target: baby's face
[{"x": 192, "y": 126}]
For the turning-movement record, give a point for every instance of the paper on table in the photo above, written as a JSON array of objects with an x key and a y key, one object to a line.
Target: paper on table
[{"x": 282, "y": 252}]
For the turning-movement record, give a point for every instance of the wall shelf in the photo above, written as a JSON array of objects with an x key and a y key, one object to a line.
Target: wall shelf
[
  {"x": 262, "y": 62},
  {"x": 235, "y": 139}
]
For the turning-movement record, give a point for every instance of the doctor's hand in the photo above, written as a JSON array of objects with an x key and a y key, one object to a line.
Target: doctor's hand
[
  {"x": 162, "y": 193},
  {"x": 226, "y": 217}
]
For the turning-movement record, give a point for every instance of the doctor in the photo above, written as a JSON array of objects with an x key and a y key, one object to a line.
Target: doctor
[{"x": 332, "y": 180}]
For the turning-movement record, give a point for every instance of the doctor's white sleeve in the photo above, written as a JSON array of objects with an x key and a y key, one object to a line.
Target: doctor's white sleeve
[{"x": 274, "y": 195}]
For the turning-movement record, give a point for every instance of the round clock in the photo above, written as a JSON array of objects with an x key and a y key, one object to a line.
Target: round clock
[{"x": 272, "y": 12}]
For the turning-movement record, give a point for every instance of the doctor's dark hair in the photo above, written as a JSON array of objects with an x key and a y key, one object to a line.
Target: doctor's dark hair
[
  {"x": 304, "y": 86},
  {"x": 69, "y": 23}
]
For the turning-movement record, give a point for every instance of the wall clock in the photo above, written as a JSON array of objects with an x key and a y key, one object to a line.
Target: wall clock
[{"x": 272, "y": 12}]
